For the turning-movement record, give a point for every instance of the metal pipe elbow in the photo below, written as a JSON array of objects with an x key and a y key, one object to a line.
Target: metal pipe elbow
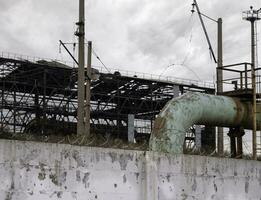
[{"x": 181, "y": 113}]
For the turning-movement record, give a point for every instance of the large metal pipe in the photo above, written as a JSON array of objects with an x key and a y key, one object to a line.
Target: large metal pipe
[{"x": 181, "y": 113}]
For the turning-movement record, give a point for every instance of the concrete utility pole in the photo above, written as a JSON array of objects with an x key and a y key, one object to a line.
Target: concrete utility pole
[
  {"x": 88, "y": 91},
  {"x": 253, "y": 16},
  {"x": 219, "y": 61},
  {"x": 219, "y": 81},
  {"x": 80, "y": 33}
]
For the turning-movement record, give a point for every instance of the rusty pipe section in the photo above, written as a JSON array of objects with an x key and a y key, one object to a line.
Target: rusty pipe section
[{"x": 179, "y": 114}]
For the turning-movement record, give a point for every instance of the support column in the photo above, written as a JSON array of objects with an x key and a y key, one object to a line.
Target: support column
[
  {"x": 44, "y": 121},
  {"x": 14, "y": 104},
  {"x": 240, "y": 134},
  {"x": 219, "y": 84},
  {"x": 198, "y": 137},
  {"x": 253, "y": 86},
  {"x": 37, "y": 107},
  {"x": 2, "y": 111},
  {"x": 232, "y": 137},
  {"x": 80, "y": 33},
  {"x": 87, "y": 128},
  {"x": 236, "y": 144},
  {"x": 208, "y": 139},
  {"x": 131, "y": 128},
  {"x": 176, "y": 91}
]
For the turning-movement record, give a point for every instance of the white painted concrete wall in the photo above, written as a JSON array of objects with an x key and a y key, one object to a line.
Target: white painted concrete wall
[{"x": 38, "y": 171}]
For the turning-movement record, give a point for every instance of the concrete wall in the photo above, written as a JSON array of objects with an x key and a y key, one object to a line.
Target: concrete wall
[{"x": 39, "y": 171}]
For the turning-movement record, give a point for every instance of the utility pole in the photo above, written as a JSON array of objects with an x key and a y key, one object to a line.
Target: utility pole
[
  {"x": 88, "y": 91},
  {"x": 80, "y": 33},
  {"x": 219, "y": 62},
  {"x": 253, "y": 16},
  {"x": 219, "y": 81},
  {"x": 253, "y": 75}
]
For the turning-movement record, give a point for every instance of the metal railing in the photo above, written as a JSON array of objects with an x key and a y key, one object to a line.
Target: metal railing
[
  {"x": 156, "y": 77},
  {"x": 239, "y": 76},
  {"x": 32, "y": 59},
  {"x": 142, "y": 75}
]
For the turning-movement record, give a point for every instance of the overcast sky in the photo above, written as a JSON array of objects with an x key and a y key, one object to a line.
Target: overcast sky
[{"x": 136, "y": 35}]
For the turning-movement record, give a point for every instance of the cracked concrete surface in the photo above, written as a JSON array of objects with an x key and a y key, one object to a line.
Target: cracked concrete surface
[{"x": 30, "y": 170}]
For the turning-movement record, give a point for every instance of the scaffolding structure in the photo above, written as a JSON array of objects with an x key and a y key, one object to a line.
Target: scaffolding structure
[{"x": 238, "y": 82}]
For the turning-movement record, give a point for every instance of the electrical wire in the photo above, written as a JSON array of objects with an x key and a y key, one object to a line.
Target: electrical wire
[
  {"x": 191, "y": 71},
  {"x": 165, "y": 69},
  {"x": 184, "y": 60},
  {"x": 189, "y": 21},
  {"x": 98, "y": 58},
  {"x": 182, "y": 66},
  {"x": 189, "y": 47}
]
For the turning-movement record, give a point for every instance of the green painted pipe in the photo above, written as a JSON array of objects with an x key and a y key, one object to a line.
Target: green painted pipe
[{"x": 181, "y": 113}]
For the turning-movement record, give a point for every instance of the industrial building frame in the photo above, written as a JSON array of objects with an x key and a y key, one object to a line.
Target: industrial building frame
[{"x": 41, "y": 98}]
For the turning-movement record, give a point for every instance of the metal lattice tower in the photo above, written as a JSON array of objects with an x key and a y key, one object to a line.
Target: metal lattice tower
[{"x": 253, "y": 15}]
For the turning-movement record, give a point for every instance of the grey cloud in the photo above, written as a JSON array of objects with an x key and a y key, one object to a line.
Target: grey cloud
[
  {"x": 141, "y": 35},
  {"x": 6, "y": 5}
]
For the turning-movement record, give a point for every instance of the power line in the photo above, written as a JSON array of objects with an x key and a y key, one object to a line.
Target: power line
[
  {"x": 98, "y": 58},
  {"x": 165, "y": 69},
  {"x": 181, "y": 64},
  {"x": 189, "y": 46},
  {"x": 190, "y": 70}
]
